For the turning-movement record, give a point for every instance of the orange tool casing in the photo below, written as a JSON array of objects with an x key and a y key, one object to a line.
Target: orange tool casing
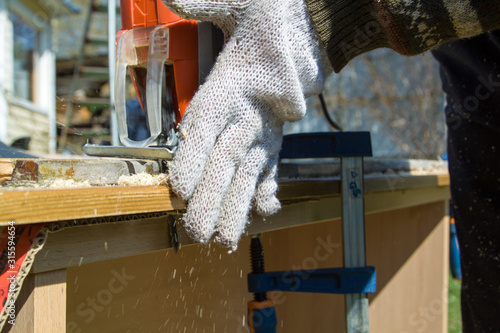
[{"x": 160, "y": 52}]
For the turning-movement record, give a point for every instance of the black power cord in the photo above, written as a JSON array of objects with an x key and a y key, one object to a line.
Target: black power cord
[{"x": 327, "y": 115}]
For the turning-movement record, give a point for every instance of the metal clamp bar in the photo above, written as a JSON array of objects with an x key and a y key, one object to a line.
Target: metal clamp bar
[
  {"x": 353, "y": 229},
  {"x": 350, "y": 147}
]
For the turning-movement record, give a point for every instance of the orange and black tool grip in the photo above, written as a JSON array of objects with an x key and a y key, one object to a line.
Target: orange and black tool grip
[
  {"x": 145, "y": 13},
  {"x": 262, "y": 317}
]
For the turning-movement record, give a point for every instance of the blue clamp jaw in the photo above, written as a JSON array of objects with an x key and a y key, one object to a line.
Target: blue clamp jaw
[{"x": 353, "y": 280}]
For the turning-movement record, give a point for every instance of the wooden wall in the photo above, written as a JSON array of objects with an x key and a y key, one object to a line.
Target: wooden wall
[
  {"x": 24, "y": 122},
  {"x": 203, "y": 288}
]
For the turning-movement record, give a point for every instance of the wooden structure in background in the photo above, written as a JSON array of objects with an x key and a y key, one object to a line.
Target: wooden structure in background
[{"x": 27, "y": 55}]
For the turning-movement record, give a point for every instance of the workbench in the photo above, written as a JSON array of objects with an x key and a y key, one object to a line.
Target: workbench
[{"x": 108, "y": 263}]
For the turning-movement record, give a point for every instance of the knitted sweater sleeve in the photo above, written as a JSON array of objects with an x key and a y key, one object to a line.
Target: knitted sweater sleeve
[{"x": 349, "y": 28}]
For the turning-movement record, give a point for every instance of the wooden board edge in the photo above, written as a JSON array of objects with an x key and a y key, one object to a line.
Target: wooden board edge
[
  {"x": 6, "y": 170},
  {"x": 38, "y": 206}
]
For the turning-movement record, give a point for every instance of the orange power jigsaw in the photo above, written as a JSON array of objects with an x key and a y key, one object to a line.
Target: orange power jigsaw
[{"x": 167, "y": 58}]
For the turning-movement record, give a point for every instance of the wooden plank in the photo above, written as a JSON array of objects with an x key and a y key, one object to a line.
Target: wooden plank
[
  {"x": 443, "y": 180},
  {"x": 297, "y": 189},
  {"x": 46, "y": 205},
  {"x": 41, "y": 306},
  {"x": 81, "y": 245},
  {"x": 394, "y": 182},
  {"x": 6, "y": 169},
  {"x": 324, "y": 209},
  {"x": 32, "y": 206}
]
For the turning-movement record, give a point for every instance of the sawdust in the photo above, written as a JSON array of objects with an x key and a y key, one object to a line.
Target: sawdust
[
  {"x": 54, "y": 184},
  {"x": 143, "y": 179},
  {"x": 424, "y": 172},
  {"x": 68, "y": 183},
  {"x": 434, "y": 169}
]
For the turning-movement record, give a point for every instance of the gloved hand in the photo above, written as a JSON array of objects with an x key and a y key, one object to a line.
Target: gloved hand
[{"x": 231, "y": 133}]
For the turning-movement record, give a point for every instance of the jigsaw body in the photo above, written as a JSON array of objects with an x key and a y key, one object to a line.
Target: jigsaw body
[{"x": 166, "y": 57}]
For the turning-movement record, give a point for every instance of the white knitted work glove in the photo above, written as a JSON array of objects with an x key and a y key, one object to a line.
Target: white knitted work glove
[{"x": 231, "y": 134}]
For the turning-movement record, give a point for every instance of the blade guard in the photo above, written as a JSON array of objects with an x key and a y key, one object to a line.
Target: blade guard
[{"x": 153, "y": 37}]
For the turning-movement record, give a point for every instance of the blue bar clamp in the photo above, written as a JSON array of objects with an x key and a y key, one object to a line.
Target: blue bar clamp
[{"x": 355, "y": 279}]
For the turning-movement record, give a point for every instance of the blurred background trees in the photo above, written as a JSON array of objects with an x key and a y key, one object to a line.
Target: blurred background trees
[{"x": 398, "y": 99}]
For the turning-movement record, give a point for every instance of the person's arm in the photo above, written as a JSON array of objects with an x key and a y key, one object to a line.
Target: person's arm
[{"x": 349, "y": 28}]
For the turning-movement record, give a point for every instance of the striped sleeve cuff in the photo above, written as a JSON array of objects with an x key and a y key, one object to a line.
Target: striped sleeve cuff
[{"x": 349, "y": 28}]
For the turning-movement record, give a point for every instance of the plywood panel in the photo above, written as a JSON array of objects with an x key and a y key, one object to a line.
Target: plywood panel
[
  {"x": 82, "y": 245},
  {"x": 410, "y": 250},
  {"x": 203, "y": 289},
  {"x": 199, "y": 289}
]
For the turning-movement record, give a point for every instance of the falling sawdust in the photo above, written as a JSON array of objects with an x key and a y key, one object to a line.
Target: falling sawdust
[{"x": 143, "y": 179}]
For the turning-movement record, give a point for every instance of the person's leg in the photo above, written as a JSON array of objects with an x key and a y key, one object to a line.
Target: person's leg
[
  {"x": 474, "y": 165},
  {"x": 470, "y": 72}
]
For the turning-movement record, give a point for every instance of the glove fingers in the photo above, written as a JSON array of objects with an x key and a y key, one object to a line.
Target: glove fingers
[
  {"x": 205, "y": 205},
  {"x": 265, "y": 201},
  {"x": 199, "y": 130},
  {"x": 204, "y": 10},
  {"x": 237, "y": 203}
]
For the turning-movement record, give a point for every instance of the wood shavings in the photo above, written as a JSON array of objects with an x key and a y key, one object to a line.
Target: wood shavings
[
  {"x": 54, "y": 184},
  {"x": 143, "y": 179},
  {"x": 140, "y": 179},
  {"x": 68, "y": 183}
]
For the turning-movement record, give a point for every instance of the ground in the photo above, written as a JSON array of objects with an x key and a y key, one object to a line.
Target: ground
[{"x": 454, "y": 317}]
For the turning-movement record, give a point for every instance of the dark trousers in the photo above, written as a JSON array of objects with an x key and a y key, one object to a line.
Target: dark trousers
[{"x": 470, "y": 72}]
